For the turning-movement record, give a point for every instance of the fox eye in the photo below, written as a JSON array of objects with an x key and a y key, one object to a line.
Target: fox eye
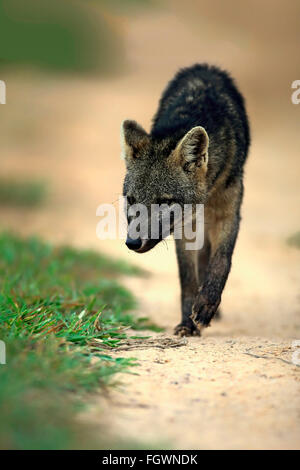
[{"x": 131, "y": 200}]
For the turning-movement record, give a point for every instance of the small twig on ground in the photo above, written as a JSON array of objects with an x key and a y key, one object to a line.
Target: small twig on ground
[
  {"x": 270, "y": 357},
  {"x": 128, "y": 344}
]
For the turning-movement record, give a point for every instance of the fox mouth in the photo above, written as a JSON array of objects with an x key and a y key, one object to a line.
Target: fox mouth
[{"x": 147, "y": 245}]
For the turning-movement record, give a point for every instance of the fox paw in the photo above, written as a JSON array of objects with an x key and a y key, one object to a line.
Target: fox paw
[
  {"x": 203, "y": 313},
  {"x": 186, "y": 330},
  {"x": 197, "y": 324}
]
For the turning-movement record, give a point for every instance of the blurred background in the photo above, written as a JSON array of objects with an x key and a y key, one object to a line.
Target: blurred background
[{"x": 74, "y": 69}]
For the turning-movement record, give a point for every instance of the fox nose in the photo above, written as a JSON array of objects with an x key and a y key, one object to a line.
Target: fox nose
[{"x": 133, "y": 243}]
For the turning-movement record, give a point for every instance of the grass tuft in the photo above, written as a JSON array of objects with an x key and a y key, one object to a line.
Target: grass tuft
[
  {"x": 53, "y": 303},
  {"x": 22, "y": 193},
  {"x": 294, "y": 240}
]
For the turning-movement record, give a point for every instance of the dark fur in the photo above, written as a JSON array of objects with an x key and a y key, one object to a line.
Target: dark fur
[
  {"x": 203, "y": 96},
  {"x": 216, "y": 105}
]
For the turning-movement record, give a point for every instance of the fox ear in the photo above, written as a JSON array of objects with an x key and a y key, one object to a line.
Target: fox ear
[
  {"x": 192, "y": 150},
  {"x": 133, "y": 140}
]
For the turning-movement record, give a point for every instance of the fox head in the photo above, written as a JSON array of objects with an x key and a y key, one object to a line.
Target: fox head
[{"x": 163, "y": 171}]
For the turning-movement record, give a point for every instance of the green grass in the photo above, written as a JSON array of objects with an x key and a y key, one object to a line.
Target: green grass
[
  {"x": 294, "y": 240},
  {"x": 21, "y": 192},
  {"x": 53, "y": 302}
]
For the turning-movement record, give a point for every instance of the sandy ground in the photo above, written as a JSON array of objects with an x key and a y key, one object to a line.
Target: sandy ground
[{"x": 236, "y": 386}]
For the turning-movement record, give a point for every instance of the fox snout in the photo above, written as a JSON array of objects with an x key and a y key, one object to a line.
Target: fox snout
[
  {"x": 145, "y": 232},
  {"x": 133, "y": 244},
  {"x": 140, "y": 245}
]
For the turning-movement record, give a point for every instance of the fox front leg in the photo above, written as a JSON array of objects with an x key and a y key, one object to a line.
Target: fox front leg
[
  {"x": 223, "y": 228},
  {"x": 187, "y": 265}
]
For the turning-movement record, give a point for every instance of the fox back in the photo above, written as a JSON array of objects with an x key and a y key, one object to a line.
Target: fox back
[{"x": 206, "y": 96}]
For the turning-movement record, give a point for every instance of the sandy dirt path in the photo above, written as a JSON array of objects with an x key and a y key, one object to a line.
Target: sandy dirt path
[{"x": 236, "y": 386}]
